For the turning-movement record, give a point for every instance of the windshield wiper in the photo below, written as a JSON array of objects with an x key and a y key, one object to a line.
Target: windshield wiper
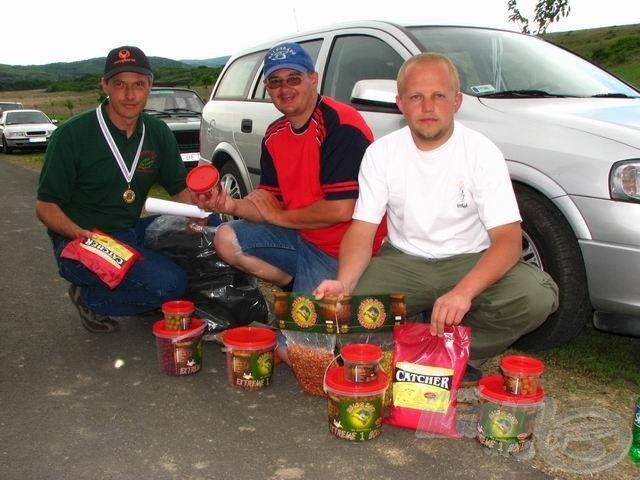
[
  {"x": 521, "y": 93},
  {"x": 155, "y": 112},
  {"x": 612, "y": 95},
  {"x": 182, "y": 110}
]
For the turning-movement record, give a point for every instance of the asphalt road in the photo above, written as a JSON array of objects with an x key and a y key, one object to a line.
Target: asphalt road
[{"x": 67, "y": 411}]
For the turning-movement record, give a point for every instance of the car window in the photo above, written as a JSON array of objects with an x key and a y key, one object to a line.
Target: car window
[
  {"x": 358, "y": 57},
  {"x": 10, "y": 106},
  {"x": 174, "y": 100},
  {"x": 14, "y": 118},
  {"x": 236, "y": 81},
  {"x": 313, "y": 49}
]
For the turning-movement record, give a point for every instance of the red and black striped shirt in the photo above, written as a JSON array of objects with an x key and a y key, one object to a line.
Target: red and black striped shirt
[{"x": 319, "y": 161}]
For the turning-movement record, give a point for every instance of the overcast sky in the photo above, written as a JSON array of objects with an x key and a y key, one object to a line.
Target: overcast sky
[{"x": 46, "y": 31}]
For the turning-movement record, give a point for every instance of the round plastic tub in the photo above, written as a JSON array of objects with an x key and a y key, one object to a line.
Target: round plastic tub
[
  {"x": 177, "y": 314},
  {"x": 179, "y": 351},
  {"x": 202, "y": 179},
  {"x": 506, "y": 421},
  {"x": 521, "y": 374},
  {"x": 361, "y": 362},
  {"x": 354, "y": 409},
  {"x": 249, "y": 356}
]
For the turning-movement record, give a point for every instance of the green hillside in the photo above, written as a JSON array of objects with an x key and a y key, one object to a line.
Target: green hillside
[
  {"x": 85, "y": 75},
  {"x": 615, "y": 48}
]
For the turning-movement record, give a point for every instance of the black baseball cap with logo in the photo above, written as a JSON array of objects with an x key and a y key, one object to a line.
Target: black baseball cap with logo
[{"x": 126, "y": 59}]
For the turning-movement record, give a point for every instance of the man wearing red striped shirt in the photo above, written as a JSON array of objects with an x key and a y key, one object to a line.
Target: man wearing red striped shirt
[{"x": 293, "y": 222}]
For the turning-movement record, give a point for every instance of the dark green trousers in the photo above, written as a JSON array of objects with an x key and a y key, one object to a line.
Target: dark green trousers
[{"x": 515, "y": 305}]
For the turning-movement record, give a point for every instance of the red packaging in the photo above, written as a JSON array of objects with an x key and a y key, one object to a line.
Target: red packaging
[
  {"x": 427, "y": 371},
  {"x": 105, "y": 256}
]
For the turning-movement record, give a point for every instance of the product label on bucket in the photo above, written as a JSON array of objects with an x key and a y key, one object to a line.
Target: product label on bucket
[
  {"x": 355, "y": 419},
  {"x": 251, "y": 371},
  {"x": 506, "y": 429},
  {"x": 188, "y": 356}
]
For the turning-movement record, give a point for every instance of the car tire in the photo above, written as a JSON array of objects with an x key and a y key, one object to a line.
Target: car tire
[
  {"x": 549, "y": 242},
  {"x": 231, "y": 180},
  {"x": 5, "y": 147}
]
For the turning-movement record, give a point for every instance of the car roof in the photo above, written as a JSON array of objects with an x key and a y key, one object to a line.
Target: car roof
[
  {"x": 160, "y": 87},
  {"x": 22, "y": 110},
  {"x": 389, "y": 27},
  {"x": 322, "y": 29}
]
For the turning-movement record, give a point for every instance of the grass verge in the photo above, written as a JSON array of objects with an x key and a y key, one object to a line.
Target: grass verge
[{"x": 604, "y": 357}]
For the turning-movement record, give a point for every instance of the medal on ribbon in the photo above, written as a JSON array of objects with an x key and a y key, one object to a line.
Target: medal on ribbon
[{"x": 129, "y": 194}]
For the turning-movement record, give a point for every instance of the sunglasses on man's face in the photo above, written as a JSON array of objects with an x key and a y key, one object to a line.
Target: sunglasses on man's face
[{"x": 273, "y": 83}]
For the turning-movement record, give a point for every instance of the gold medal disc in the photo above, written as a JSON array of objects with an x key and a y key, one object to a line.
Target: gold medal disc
[{"x": 129, "y": 196}]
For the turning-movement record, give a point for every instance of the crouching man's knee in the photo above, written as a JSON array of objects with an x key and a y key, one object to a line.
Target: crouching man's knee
[
  {"x": 543, "y": 300},
  {"x": 226, "y": 244}
]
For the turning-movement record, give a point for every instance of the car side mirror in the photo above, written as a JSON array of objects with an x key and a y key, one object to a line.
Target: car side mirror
[{"x": 377, "y": 93}]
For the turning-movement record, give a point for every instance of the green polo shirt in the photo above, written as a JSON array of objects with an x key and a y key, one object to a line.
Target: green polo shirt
[{"x": 81, "y": 175}]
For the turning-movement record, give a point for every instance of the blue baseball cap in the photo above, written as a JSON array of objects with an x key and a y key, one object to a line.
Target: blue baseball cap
[{"x": 287, "y": 55}]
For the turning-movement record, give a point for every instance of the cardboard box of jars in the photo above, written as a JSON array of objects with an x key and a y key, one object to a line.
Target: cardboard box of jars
[
  {"x": 316, "y": 330},
  {"x": 349, "y": 314}
]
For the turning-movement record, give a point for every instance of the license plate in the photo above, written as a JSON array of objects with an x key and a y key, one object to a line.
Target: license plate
[
  {"x": 37, "y": 139},
  {"x": 190, "y": 157}
]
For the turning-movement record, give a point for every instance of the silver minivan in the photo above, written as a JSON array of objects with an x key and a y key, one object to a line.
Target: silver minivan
[{"x": 569, "y": 130}]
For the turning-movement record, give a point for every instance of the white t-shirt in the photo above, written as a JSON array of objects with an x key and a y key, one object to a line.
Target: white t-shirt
[{"x": 441, "y": 202}]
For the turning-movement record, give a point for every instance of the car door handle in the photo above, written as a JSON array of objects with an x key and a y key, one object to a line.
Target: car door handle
[{"x": 246, "y": 125}]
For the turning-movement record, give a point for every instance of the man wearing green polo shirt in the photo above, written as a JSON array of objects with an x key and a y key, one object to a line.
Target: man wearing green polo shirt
[{"x": 97, "y": 173}]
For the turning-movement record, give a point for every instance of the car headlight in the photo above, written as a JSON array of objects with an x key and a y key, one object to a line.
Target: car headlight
[
  {"x": 11, "y": 133},
  {"x": 624, "y": 181}
]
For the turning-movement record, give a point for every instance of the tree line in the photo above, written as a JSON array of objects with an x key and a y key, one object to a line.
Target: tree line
[{"x": 197, "y": 76}]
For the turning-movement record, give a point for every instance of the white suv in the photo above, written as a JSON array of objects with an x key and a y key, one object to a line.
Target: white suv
[{"x": 569, "y": 131}]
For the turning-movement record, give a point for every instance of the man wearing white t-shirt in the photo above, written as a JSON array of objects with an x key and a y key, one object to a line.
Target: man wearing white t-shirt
[{"x": 454, "y": 242}]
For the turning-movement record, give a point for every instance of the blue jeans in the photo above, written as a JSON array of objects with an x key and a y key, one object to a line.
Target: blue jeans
[
  {"x": 150, "y": 282},
  {"x": 285, "y": 249}
]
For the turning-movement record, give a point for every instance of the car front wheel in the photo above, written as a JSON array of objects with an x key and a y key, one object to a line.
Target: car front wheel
[
  {"x": 549, "y": 243},
  {"x": 5, "y": 147}
]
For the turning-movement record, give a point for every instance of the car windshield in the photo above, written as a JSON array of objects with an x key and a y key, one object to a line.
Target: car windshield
[
  {"x": 15, "y": 118},
  {"x": 10, "y": 106},
  {"x": 174, "y": 101},
  {"x": 495, "y": 63}
]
